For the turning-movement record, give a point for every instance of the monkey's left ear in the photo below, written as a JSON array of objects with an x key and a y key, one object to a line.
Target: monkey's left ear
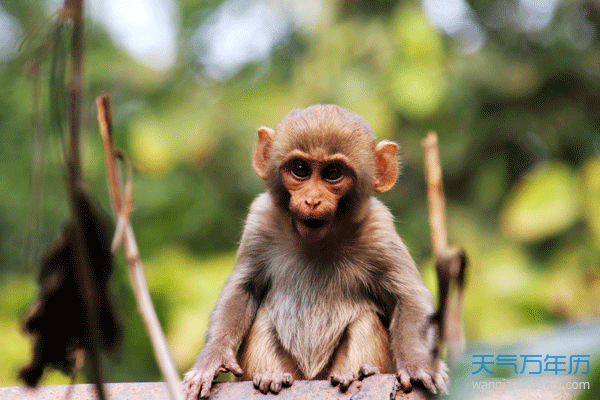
[
  {"x": 261, "y": 154},
  {"x": 386, "y": 168}
]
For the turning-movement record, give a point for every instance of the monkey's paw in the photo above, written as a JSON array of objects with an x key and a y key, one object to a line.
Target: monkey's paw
[
  {"x": 434, "y": 377},
  {"x": 198, "y": 380},
  {"x": 272, "y": 381},
  {"x": 345, "y": 379}
]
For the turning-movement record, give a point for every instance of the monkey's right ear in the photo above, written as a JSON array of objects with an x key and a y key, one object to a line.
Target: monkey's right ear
[
  {"x": 386, "y": 169},
  {"x": 263, "y": 149}
]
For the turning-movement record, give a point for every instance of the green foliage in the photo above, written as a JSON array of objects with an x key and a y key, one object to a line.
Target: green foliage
[
  {"x": 542, "y": 204},
  {"x": 519, "y": 143}
]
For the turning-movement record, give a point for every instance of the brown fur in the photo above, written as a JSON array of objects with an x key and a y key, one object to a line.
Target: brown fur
[{"x": 339, "y": 304}]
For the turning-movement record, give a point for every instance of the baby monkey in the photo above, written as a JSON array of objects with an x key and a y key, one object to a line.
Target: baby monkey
[{"x": 323, "y": 286}]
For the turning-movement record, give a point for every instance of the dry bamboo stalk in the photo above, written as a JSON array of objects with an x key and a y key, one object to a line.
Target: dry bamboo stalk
[{"x": 136, "y": 272}]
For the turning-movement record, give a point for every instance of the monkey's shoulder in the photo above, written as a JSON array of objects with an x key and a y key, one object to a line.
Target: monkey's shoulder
[
  {"x": 263, "y": 214},
  {"x": 378, "y": 231},
  {"x": 380, "y": 214}
]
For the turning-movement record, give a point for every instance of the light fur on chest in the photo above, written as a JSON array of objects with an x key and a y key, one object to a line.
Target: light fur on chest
[{"x": 305, "y": 305}]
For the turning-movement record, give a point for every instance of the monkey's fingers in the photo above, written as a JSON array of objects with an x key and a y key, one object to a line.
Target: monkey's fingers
[
  {"x": 444, "y": 370},
  {"x": 344, "y": 380},
  {"x": 191, "y": 390},
  {"x": 256, "y": 380},
  {"x": 440, "y": 383},
  {"x": 427, "y": 381},
  {"x": 277, "y": 382},
  {"x": 367, "y": 370},
  {"x": 335, "y": 379},
  {"x": 404, "y": 379},
  {"x": 233, "y": 367},
  {"x": 194, "y": 384},
  {"x": 265, "y": 385},
  {"x": 288, "y": 380},
  {"x": 272, "y": 381},
  {"x": 205, "y": 385},
  {"x": 441, "y": 377}
]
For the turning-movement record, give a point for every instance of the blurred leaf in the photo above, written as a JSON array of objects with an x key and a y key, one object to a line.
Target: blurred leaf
[
  {"x": 541, "y": 204},
  {"x": 573, "y": 292},
  {"x": 418, "y": 90},
  {"x": 151, "y": 148},
  {"x": 590, "y": 181},
  {"x": 418, "y": 84},
  {"x": 490, "y": 183},
  {"x": 181, "y": 132},
  {"x": 355, "y": 90},
  {"x": 417, "y": 40}
]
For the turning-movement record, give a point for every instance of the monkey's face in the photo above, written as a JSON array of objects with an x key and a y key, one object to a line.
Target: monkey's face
[
  {"x": 321, "y": 165},
  {"x": 315, "y": 182}
]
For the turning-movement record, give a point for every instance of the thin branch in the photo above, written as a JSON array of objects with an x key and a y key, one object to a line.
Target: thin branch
[
  {"x": 105, "y": 123},
  {"x": 73, "y": 10},
  {"x": 136, "y": 271},
  {"x": 450, "y": 262},
  {"x": 435, "y": 194}
]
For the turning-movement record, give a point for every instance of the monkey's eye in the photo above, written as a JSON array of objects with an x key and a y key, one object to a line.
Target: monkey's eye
[
  {"x": 332, "y": 172},
  {"x": 300, "y": 169}
]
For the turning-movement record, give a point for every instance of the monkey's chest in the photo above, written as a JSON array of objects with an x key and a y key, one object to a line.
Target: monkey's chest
[{"x": 309, "y": 325}]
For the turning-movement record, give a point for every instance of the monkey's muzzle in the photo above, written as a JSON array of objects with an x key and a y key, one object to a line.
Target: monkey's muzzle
[{"x": 312, "y": 229}]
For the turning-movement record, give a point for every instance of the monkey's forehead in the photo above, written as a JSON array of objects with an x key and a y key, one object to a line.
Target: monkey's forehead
[{"x": 327, "y": 127}]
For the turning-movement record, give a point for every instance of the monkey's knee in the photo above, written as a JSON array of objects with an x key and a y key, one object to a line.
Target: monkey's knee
[{"x": 367, "y": 349}]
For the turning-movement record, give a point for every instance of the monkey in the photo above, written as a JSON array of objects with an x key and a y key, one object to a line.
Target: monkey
[{"x": 323, "y": 287}]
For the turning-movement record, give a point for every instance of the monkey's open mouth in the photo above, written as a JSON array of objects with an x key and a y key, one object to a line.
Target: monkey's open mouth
[{"x": 314, "y": 223}]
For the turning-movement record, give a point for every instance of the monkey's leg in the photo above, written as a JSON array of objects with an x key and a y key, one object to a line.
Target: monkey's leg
[
  {"x": 363, "y": 351},
  {"x": 264, "y": 361}
]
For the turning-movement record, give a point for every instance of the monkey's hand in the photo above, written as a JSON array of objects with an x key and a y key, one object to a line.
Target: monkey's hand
[
  {"x": 433, "y": 375},
  {"x": 272, "y": 381},
  {"x": 345, "y": 379},
  {"x": 198, "y": 380}
]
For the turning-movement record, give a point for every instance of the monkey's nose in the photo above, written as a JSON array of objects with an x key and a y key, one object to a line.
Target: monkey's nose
[{"x": 312, "y": 204}]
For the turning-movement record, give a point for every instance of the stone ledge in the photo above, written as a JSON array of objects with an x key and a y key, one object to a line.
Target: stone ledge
[{"x": 377, "y": 387}]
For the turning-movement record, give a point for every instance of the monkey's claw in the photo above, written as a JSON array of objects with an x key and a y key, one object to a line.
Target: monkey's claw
[
  {"x": 272, "y": 381},
  {"x": 434, "y": 379}
]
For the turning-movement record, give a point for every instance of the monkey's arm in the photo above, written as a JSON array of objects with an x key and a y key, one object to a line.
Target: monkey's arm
[
  {"x": 413, "y": 335},
  {"x": 236, "y": 308},
  {"x": 412, "y": 329}
]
